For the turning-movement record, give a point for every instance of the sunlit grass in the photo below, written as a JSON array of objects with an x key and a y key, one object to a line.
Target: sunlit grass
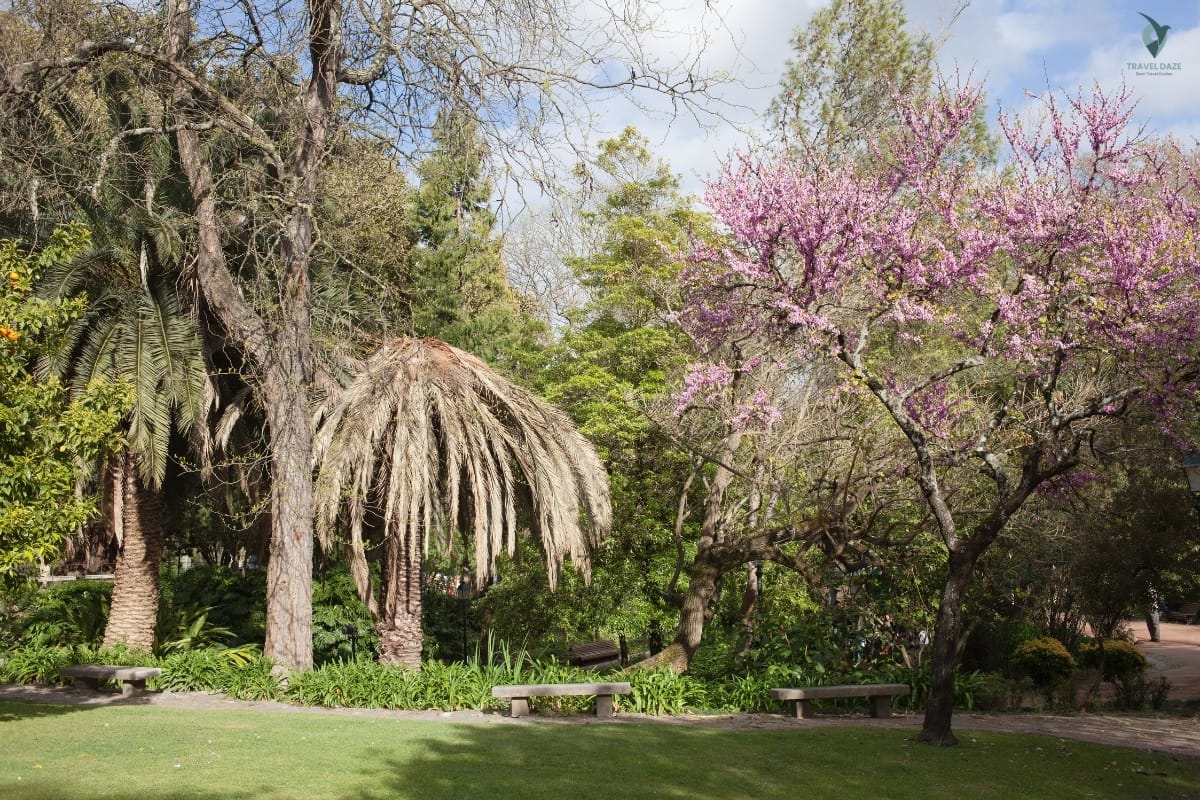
[{"x": 72, "y": 752}]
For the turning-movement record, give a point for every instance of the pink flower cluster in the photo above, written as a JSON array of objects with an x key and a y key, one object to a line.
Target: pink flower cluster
[{"x": 1080, "y": 254}]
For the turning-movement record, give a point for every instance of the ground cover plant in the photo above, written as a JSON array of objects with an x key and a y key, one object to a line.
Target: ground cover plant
[{"x": 71, "y": 753}]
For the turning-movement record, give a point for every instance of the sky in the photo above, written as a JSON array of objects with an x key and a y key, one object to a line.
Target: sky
[{"x": 1010, "y": 46}]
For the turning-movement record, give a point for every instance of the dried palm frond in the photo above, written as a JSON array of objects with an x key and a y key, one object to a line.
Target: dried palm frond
[{"x": 430, "y": 437}]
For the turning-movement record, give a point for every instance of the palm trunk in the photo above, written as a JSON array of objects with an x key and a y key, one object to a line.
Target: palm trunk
[
  {"x": 400, "y": 633},
  {"x": 138, "y": 511}
]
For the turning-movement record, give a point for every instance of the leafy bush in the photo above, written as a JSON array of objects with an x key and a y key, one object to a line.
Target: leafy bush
[
  {"x": 1136, "y": 693},
  {"x": 992, "y": 691},
  {"x": 252, "y": 680},
  {"x": 36, "y": 663},
  {"x": 663, "y": 691},
  {"x": 237, "y": 602},
  {"x": 342, "y": 625},
  {"x": 1043, "y": 660},
  {"x": 188, "y": 629},
  {"x": 62, "y": 614},
  {"x": 742, "y": 693},
  {"x": 1121, "y": 659},
  {"x": 194, "y": 671}
]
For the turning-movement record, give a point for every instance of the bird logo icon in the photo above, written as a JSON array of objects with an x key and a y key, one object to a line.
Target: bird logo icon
[{"x": 1155, "y": 36}]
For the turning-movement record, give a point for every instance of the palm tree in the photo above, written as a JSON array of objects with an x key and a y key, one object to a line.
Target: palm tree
[
  {"x": 134, "y": 329},
  {"x": 429, "y": 440}
]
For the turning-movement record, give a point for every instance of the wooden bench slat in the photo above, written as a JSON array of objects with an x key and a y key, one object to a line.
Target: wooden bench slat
[{"x": 599, "y": 653}]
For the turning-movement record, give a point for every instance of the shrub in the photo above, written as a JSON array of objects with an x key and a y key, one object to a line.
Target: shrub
[
  {"x": 36, "y": 663},
  {"x": 62, "y": 614},
  {"x": 236, "y": 601},
  {"x": 993, "y": 692},
  {"x": 1043, "y": 660},
  {"x": 663, "y": 691},
  {"x": 1121, "y": 659}
]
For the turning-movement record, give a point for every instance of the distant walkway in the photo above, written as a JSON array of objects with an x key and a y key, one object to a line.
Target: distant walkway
[{"x": 1176, "y": 656}]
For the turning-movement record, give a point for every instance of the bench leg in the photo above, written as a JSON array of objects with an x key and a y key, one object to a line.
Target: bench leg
[
  {"x": 88, "y": 683},
  {"x": 604, "y": 705},
  {"x": 520, "y": 707},
  {"x": 881, "y": 706},
  {"x": 133, "y": 688},
  {"x": 802, "y": 709}
]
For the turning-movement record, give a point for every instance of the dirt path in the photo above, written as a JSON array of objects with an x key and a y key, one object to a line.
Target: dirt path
[{"x": 1176, "y": 657}]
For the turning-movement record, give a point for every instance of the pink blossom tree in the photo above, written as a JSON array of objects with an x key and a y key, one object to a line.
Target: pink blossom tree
[{"x": 1002, "y": 320}]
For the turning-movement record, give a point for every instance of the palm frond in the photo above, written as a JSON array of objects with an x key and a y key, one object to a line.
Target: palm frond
[{"x": 425, "y": 427}]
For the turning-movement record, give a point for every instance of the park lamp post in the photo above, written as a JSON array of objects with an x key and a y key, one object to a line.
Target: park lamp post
[
  {"x": 1191, "y": 468},
  {"x": 463, "y": 593}
]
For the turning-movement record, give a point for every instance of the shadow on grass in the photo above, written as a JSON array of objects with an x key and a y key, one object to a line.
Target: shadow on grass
[
  {"x": 593, "y": 762},
  {"x": 27, "y": 703},
  {"x": 560, "y": 761}
]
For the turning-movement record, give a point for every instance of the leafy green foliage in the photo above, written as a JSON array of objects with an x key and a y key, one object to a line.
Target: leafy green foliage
[
  {"x": 68, "y": 613},
  {"x": 235, "y": 601},
  {"x": 44, "y": 435},
  {"x": 850, "y": 59},
  {"x": 183, "y": 629},
  {"x": 1044, "y": 660},
  {"x": 342, "y": 625},
  {"x": 663, "y": 691},
  {"x": 1121, "y": 659}
]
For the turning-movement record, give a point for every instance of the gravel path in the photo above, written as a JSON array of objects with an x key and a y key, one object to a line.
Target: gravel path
[{"x": 1176, "y": 656}]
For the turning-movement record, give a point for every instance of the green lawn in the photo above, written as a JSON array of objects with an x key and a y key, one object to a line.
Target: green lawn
[{"x": 143, "y": 753}]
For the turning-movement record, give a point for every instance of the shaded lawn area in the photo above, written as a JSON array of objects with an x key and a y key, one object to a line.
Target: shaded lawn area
[{"x": 146, "y": 753}]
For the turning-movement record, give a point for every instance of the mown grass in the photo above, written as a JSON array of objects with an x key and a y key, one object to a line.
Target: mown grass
[{"x": 145, "y": 753}]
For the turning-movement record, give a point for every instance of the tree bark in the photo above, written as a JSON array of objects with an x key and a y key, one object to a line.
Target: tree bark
[
  {"x": 133, "y": 611},
  {"x": 289, "y": 572},
  {"x": 278, "y": 348},
  {"x": 945, "y": 651},
  {"x": 702, "y": 587},
  {"x": 401, "y": 636}
]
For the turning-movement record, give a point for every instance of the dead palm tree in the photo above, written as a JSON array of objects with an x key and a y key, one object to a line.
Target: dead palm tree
[{"x": 429, "y": 440}]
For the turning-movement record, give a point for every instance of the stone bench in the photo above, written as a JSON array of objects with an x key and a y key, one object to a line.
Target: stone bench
[
  {"x": 880, "y": 693},
  {"x": 519, "y": 695},
  {"x": 133, "y": 679}
]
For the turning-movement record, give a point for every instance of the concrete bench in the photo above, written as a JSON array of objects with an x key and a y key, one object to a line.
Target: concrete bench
[
  {"x": 133, "y": 679},
  {"x": 880, "y": 693},
  {"x": 519, "y": 695}
]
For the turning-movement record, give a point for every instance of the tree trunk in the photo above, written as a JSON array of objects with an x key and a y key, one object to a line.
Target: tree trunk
[
  {"x": 400, "y": 632},
  {"x": 138, "y": 512},
  {"x": 277, "y": 343},
  {"x": 945, "y": 651},
  {"x": 702, "y": 587},
  {"x": 750, "y": 604},
  {"x": 289, "y": 570}
]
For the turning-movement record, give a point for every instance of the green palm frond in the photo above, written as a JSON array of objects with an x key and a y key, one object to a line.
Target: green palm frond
[{"x": 425, "y": 427}]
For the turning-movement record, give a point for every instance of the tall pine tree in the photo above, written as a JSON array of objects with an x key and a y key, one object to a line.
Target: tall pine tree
[{"x": 459, "y": 289}]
